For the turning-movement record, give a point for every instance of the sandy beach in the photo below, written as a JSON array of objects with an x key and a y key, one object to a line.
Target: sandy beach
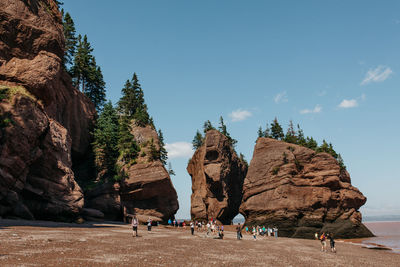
[{"x": 36, "y": 243}]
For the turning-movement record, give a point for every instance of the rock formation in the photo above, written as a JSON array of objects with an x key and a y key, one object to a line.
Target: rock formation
[
  {"x": 217, "y": 179},
  {"x": 147, "y": 189},
  {"x": 301, "y": 192},
  {"x": 44, "y": 121}
]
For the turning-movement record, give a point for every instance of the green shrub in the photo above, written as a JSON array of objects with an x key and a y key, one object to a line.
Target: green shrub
[{"x": 275, "y": 170}]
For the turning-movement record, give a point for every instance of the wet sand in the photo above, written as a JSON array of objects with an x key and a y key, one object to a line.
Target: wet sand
[
  {"x": 387, "y": 236},
  {"x": 35, "y": 243}
]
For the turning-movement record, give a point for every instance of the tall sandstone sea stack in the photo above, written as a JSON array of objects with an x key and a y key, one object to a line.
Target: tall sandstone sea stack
[
  {"x": 146, "y": 190},
  {"x": 301, "y": 192},
  {"x": 44, "y": 121},
  {"x": 217, "y": 179}
]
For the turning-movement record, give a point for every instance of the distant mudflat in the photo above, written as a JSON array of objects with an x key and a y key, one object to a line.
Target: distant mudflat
[{"x": 112, "y": 244}]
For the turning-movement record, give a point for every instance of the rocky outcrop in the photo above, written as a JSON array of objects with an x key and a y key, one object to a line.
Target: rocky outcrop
[
  {"x": 217, "y": 179},
  {"x": 45, "y": 122},
  {"x": 301, "y": 192},
  {"x": 147, "y": 188}
]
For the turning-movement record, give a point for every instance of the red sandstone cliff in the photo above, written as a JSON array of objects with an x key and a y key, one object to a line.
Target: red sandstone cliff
[
  {"x": 47, "y": 120},
  {"x": 217, "y": 178},
  {"x": 301, "y": 192}
]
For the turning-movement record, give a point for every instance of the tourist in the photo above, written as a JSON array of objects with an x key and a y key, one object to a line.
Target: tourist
[
  {"x": 254, "y": 233},
  {"x": 239, "y": 231},
  {"x": 134, "y": 226},
  {"x": 323, "y": 242},
  {"x": 332, "y": 242},
  {"x": 149, "y": 224},
  {"x": 208, "y": 228},
  {"x": 316, "y": 236},
  {"x": 247, "y": 229},
  {"x": 192, "y": 227},
  {"x": 276, "y": 232},
  {"x": 169, "y": 222}
]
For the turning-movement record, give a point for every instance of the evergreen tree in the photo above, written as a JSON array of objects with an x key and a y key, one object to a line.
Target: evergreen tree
[
  {"x": 106, "y": 141},
  {"x": 95, "y": 86},
  {"x": 300, "y": 136},
  {"x": 260, "y": 132},
  {"x": 267, "y": 131},
  {"x": 222, "y": 126},
  {"x": 170, "y": 170},
  {"x": 290, "y": 136},
  {"x": 276, "y": 130},
  {"x": 197, "y": 140},
  {"x": 208, "y": 126},
  {"x": 83, "y": 63},
  {"x": 163, "y": 152},
  {"x": 132, "y": 103},
  {"x": 311, "y": 143},
  {"x": 154, "y": 152},
  {"x": 70, "y": 39},
  {"x": 341, "y": 163},
  {"x": 324, "y": 147},
  {"x": 128, "y": 148},
  {"x": 222, "y": 129}
]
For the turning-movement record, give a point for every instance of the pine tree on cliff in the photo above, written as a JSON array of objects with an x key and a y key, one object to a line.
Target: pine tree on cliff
[
  {"x": 222, "y": 129},
  {"x": 106, "y": 141},
  {"x": 311, "y": 143},
  {"x": 197, "y": 140},
  {"x": 82, "y": 63},
  {"x": 260, "y": 132},
  {"x": 70, "y": 40},
  {"x": 207, "y": 126},
  {"x": 163, "y": 152},
  {"x": 300, "y": 136},
  {"x": 290, "y": 136},
  {"x": 276, "y": 130},
  {"x": 267, "y": 131},
  {"x": 132, "y": 103},
  {"x": 128, "y": 148},
  {"x": 95, "y": 87}
]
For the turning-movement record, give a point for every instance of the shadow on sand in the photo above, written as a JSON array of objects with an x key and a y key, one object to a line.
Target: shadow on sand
[{"x": 4, "y": 223}]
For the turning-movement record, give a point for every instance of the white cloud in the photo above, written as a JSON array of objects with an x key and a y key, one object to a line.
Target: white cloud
[
  {"x": 379, "y": 74},
  {"x": 352, "y": 103},
  {"x": 240, "y": 115},
  {"x": 317, "y": 109},
  {"x": 281, "y": 98},
  {"x": 179, "y": 150}
]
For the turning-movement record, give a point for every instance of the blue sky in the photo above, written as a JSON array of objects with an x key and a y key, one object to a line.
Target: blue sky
[{"x": 331, "y": 66}]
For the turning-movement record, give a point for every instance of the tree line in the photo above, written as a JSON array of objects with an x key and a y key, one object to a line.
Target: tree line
[{"x": 296, "y": 136}]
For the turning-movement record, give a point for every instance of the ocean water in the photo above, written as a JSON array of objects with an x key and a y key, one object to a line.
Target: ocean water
[{"x": 387, "y": 234}]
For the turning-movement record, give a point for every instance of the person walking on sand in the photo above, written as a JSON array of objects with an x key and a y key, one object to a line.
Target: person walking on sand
[
  {"x": 134, "y": 226},
  {"x": 316, "y": 236},
  {"x": 323, "y": 242},
  {"x": 149, "y": 225},
  {"x": 239, "y": 232},
  {"x": 276, "y": 232},
  {"x": 192, "y": 227},
  {"x": 332, "y": 242},
  {"x": 254, "y": 233}
]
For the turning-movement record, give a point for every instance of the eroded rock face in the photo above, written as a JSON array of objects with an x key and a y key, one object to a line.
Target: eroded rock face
[
  {"x": 36, "y": 149},
  {"x": 217, "y": 178},
  {"x": 301, "y": 192},
  {"x": 148, "y": 189}
]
